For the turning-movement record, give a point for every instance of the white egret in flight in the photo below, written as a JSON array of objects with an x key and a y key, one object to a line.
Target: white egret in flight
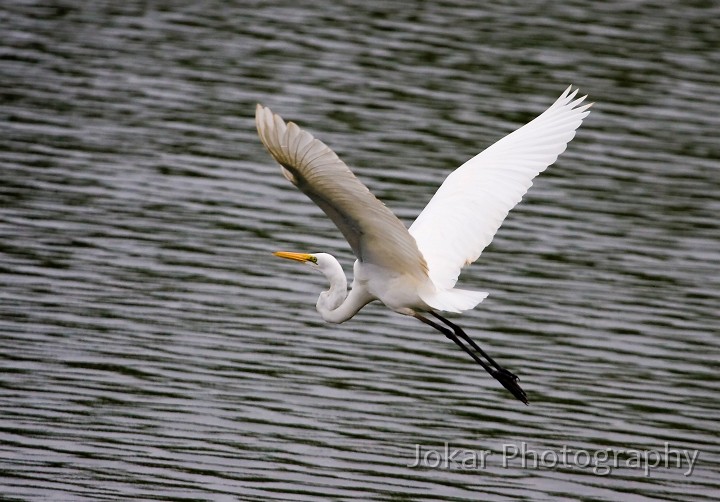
[{"x": 413, "y": 270}]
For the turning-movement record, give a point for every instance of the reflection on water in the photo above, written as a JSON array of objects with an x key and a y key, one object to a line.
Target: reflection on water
[{"x": 152, "y": 348}]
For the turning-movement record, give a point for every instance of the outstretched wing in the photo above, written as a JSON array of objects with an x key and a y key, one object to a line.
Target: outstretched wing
[
  {"x": 462, "y": 217},
  {"x": 374, "y": 233}
]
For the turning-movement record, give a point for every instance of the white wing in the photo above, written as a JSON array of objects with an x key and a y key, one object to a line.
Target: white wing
[
  {"x": 374, "y": 233},
  {"x": 471, "y": 204}
]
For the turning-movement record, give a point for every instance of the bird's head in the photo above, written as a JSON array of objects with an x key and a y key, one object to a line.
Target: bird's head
[{"x": 322, "y": 262}]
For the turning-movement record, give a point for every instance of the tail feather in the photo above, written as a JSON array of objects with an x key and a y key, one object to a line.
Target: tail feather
[{"x": 454, "y": 300}]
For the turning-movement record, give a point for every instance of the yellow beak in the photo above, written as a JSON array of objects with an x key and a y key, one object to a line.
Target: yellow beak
[{"x": 302, "y": 257}]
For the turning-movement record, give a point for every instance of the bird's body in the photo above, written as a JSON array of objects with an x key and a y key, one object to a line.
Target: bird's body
[{"x": 414, "y": 271}]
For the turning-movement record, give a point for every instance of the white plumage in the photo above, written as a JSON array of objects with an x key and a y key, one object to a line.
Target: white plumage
[
  {"x": 462, "y": 217},
  {"x": 414, "y": 271}
]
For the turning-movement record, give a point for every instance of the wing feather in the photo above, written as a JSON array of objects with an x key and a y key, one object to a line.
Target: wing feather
[
  {"x": 374, "y": 233},
  {"x": 465, "y": 213}
]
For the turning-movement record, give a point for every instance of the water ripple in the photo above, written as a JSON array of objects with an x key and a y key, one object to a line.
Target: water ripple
[{"x": 152, "y": 349}]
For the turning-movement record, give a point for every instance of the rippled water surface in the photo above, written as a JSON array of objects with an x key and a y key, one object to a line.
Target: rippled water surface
[{"x": 152, "y": 348}]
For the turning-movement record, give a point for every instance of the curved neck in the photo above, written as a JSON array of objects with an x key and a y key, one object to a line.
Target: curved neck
[{"x": 336, "y": 305}]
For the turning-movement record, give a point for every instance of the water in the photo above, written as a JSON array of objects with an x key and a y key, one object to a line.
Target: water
[{"x": 152, "y": 348}]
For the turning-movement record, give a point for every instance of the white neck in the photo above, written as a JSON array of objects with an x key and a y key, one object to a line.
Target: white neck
[{"x": 336, "y": 305}]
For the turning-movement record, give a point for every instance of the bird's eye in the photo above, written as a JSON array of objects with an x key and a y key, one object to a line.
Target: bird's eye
[{"x": 313, "y": 259}]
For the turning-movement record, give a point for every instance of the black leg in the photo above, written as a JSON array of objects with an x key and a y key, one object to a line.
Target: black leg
[
  {"x": 505, "y": 377},
  {"x": 461, "y": 333},
  {"x": 452, "y": 336}
]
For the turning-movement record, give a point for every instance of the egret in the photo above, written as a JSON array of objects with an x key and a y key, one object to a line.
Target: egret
[{"x": 413, "y": 271}]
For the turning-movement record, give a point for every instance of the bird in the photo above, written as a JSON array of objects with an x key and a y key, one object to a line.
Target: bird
[{"x": 414, "y": 270}]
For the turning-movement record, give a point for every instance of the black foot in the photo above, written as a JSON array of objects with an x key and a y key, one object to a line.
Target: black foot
[{"x": 509, "y": 380}]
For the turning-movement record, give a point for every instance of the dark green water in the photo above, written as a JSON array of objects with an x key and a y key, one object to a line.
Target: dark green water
[{"x": 152, "y": 348}]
